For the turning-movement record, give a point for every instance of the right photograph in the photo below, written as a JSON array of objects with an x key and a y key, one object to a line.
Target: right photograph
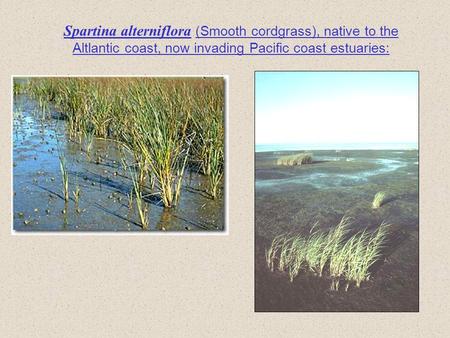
[{"x": 336, "y": 191}]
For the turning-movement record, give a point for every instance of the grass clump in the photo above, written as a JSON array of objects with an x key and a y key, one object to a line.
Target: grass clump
[
  {"x": 161, "y": 136},
  {"x": 378, "y": 200},
  {"x": 346, "y": 258},
  {"x": 295, "y": 159}
]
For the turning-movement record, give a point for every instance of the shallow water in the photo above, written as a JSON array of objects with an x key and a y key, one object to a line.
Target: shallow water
[
  {"x": 292, "y": 199},
  {"x": 359, "y": 170},
  {"x": 104, "y": 184}
]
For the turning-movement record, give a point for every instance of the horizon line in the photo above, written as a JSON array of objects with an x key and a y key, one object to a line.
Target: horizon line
[{"x": 340, "y": 146}]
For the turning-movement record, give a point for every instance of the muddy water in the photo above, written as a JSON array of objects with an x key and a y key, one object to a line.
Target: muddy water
[
  {"x": 104, "y": 183},
  {"x": 292, "y": 199}
]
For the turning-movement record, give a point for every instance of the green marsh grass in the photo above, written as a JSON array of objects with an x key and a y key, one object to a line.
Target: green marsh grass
[
  {"x": 345, "y": 257},
  {"x": 18, "y": 87},
  {"x": 313, "y": 251},
  {"x": 285, "y": 253},
  {"x": 76, "y": 195},
  {"x": 162, "y": 139},
  {"x": 208, "y": 147},
  {"x": 332, "y": 241},
  {"x": 339, "y": 260},
  {"x": 373, "y": 252},
  {"x": 130, "y": 200},
  {"x": 271, "y": 252},
  {"x": 356, "y": 253},
  {"x": 297, "y": 256},
  {"x": 169, "y": 125},
  {"x": 64, "y": 176},
  {"x": 141, "y": 205},
  {"x": 89, "y": 142},
  {"x": 378, "y": 200},
  {"x": 215, "y": 176},
  {"x": 295, "y": 159}
]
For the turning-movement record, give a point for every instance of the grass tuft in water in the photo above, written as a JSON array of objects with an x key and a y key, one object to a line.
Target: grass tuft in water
[
  {"x": 76, "y": 195},
  {"x": 89, "y": 142},
  {"x": 64, "y": 176},
  {"x": 140, "y": 203}
]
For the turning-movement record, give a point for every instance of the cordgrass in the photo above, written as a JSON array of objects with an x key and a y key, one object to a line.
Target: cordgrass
[
  {"x": 295, "y": 159},
  {"x": 208, "y": 145},
  {"x": 272, "y": 251},
  {"x": 89, "y": 141},
  {"x": 345, "y": 257},
  {"x": 297, "y": 256},
  {"x": 18, "y": 87},
  {"x": 76, "y": 195},
  {"x": 140, "y": 203},
  {"x": 160, "y": 134},
  {"x": 64, "y": 176},
  {"x": 168, "y": 124},
  {"x": 379, "y": 200}
]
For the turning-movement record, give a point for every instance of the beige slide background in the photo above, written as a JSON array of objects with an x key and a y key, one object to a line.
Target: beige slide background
[{"x": 202, "y": 286}]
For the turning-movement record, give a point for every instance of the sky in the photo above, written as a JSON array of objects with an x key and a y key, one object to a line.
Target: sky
[{"x": 315, "y": 108}]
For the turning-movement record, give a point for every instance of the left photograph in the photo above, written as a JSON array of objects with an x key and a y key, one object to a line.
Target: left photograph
[{"x": 118, "y": 154}]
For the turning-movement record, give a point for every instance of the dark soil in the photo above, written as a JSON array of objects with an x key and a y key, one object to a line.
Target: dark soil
[{"x": 292, "y": 199}]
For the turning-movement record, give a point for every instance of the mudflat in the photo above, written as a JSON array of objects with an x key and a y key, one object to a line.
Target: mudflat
[{"x": 291, "y": 199}]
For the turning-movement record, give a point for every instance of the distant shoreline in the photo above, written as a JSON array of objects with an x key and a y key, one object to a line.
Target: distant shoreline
[{"x": 259, "y": 148}]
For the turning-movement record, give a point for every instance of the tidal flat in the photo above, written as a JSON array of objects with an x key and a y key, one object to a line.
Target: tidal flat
[{"x": 297, "y": 200}]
